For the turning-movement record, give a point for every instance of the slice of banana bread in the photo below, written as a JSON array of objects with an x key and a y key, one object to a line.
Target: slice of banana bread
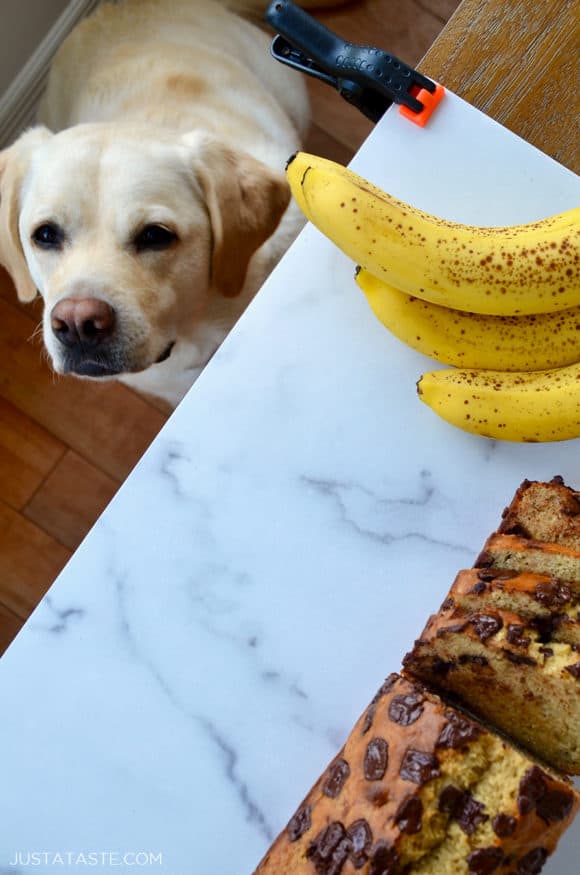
[
  {"x": 421, "y": 788},
  {"x": 511, "y": 552},
  {"x": 549, "y": 605},
  {"x": 508, "y": 674},
  {"x": 545, "y": 512}
]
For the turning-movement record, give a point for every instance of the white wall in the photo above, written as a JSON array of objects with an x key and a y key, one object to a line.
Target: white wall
[{"x": 23, "y": 24}]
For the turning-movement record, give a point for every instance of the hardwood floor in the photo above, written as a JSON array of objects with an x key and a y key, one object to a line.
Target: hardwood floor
[{"x": 65, "y": 445}]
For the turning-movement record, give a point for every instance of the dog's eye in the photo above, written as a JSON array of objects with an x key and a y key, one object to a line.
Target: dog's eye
[
  {"x": 154, "y": 237},
  {"x": 48, "y": 236}
]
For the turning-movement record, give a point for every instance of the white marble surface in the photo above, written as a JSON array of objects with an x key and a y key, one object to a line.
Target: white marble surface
[{"x": 208, "y": 647}]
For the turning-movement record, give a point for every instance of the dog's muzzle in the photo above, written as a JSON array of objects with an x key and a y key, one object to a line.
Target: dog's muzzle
[{"x": 89, "y": 340}]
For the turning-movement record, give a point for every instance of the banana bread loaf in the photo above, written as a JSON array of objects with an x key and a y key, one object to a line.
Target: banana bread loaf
[{"x": 421, "y": 788}]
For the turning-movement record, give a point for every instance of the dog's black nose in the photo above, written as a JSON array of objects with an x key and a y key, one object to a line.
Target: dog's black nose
[{"x": 82, "y": 322}]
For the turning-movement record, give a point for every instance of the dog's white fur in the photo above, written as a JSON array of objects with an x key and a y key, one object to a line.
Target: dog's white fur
[{"x": 157, "y": 111}]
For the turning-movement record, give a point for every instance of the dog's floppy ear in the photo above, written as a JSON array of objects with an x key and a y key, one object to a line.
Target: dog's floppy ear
[
  {"x": 13, "y": 165},
  {"x": 245, "y": 200}
]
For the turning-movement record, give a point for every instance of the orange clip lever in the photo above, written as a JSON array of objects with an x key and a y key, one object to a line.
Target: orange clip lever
[{"x": 429, "y": 100}]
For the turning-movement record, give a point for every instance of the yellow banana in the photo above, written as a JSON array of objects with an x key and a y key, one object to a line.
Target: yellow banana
[
  {"x": 506, "y": 271},
  {"x": 539, "y": 406},
  {"x": 472, "y": 340}
]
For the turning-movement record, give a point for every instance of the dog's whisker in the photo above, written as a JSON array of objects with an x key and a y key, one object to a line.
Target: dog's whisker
[{"x": 36, "y": 334}]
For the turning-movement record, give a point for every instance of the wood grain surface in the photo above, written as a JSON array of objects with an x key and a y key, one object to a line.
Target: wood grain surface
[
  {"x": 70, "y": 499},
  {"x": 28, "y": 454},
  {"x": 30, "y": 560},
  {"x": 517, "y": 61},
  {"x": 9, "y": 627}
]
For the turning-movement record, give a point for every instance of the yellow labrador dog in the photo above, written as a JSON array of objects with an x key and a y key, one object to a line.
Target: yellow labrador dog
[{"x": 151, "y": 207}]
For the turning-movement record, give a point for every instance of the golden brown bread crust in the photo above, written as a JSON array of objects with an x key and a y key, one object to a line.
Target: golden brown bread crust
[
  {"x": 421, "y": 788},
  {"x": 545, "y": 512},
  {"x": 504, "y": 671}
]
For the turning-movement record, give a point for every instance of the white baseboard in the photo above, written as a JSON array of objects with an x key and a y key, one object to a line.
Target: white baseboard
[{"x": 19, "y": 102}]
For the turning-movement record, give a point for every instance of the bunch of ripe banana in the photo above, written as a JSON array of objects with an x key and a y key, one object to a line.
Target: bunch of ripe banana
[{"x": 502, "y": 305}]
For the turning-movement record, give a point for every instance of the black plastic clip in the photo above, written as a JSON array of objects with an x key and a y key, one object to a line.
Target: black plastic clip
[{"x": 368, "y": 78}]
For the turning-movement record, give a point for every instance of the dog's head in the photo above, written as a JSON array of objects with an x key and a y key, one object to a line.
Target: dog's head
[{"x": 126, "y": 235}]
